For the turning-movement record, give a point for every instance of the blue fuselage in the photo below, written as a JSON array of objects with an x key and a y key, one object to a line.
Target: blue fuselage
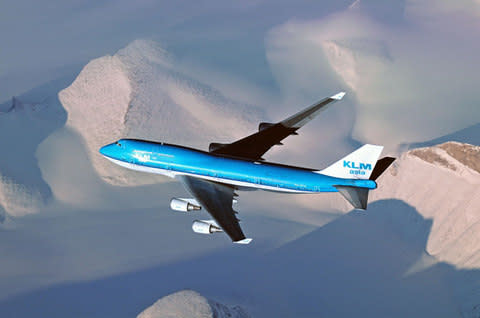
[{"x": 174, "y": 160}]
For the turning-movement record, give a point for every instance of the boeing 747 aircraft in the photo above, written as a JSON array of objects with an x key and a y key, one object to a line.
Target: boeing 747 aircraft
[{"x": 213, "y": 177}]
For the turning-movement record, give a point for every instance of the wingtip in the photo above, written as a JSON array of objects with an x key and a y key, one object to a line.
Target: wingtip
[
  {"x": 338, "y": 96},
  {"x": 244, "y": 241}
]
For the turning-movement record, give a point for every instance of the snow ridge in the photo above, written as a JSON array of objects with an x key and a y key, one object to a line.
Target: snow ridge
[
  {"x": 139, "y": 93},
  {"x": 455, "y": 156},
  {"x": 190, "y": 304},
  {"x": 441, "y": 182}
]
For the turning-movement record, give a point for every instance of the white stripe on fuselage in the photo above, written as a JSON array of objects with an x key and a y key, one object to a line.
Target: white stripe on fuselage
[{"x": 172, "y": 174}]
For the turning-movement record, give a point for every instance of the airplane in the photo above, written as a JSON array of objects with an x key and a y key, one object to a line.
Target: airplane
[{"x": 213, "y": 177}]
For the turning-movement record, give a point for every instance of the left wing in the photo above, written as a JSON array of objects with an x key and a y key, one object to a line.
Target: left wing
[
  {"x": 217, "y": 199},
  {"x": 254, "y": 146}
]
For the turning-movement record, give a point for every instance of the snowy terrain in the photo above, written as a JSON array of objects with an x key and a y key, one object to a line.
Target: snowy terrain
[
  {"x": 80, "y": 237},
  {"x": 382, "y": 52},
  {"x": 443, "y": 183},
  {"x": 137, "y": 93},
  {"x": 190, "y": 304},
  {"x": 413, "y": 253}
]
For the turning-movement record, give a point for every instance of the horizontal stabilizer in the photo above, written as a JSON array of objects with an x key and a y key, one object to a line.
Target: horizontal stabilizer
[
  {"x": 358, "y": 197},
  {"x": 381, "y": 166}
]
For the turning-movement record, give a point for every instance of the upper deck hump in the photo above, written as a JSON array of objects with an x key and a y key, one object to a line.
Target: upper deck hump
[{"x": 263, "y": 162}]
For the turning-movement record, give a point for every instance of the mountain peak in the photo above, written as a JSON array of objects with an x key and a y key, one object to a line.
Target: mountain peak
[
  {"x": 189, "y": 303},
  {"x": 146, "y": 51},
  {"x": 142, "y": 92},
  {"x": 451, "y": 155},
  {"x": 441, "y": 183}
]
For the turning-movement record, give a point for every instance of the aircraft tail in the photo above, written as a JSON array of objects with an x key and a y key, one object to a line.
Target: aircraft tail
[
  {"x": 357, "y": 165},
  {"x": 360, "y": 164}
]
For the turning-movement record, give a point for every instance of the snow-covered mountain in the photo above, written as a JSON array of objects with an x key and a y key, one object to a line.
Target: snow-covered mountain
[
  {"x": 190, "y": 304},
  {"x": 443, "y": 183},
  {"x": 139, "y": 93}
]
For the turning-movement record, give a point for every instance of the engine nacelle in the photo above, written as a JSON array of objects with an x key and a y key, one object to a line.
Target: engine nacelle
[
  {"x": 215, "y": 146},
  {"x": 183, "y": 205},
  {"x": 205, "y": 227},
  {"x": 263, "y": 126}
]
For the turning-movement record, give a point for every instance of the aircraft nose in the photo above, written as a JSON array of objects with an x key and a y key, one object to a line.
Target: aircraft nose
[{"x": 107, "y": 150}]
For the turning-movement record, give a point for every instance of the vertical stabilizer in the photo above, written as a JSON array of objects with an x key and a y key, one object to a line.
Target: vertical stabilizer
[{"x": 357, "y": 165}]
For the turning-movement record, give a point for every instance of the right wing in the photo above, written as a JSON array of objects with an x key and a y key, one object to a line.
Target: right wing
[
  {"x": 217, "y": 199},
  {"x": 254, "y": 146}
]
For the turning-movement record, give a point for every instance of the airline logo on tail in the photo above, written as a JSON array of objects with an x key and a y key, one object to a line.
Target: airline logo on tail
[
  {"x": 356, "y": 165},
  {"x": 357, "y": 168}
]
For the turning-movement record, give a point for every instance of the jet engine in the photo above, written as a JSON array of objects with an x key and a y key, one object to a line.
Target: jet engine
[
  {"x": 263, "y": 126},
  {"x": 215, "y": 146},
  {"x": 184, "y": 205},
  {"x": 205, "y": 227}
]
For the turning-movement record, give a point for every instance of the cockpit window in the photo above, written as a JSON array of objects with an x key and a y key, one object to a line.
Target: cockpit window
[{"x": 118, "y": 144}]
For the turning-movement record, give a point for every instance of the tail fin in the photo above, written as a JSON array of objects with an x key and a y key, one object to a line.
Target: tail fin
[
  {"x": 358, "y": 197},
  {"x": 360, "y": 164},
  {"x": 357, "y": 165}
]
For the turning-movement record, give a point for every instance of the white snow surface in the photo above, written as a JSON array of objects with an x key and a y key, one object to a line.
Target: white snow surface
[
  {"x": 443, "y": 186},
  {"x": 190, "y": 304},
  {"x": 19, "y": 199},
  {"x": 381, "y": 51},
  {"x": 137, "y": 93}
]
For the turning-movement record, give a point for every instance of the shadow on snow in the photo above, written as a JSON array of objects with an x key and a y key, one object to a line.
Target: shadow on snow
[{"x": 358, "y": 265}]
